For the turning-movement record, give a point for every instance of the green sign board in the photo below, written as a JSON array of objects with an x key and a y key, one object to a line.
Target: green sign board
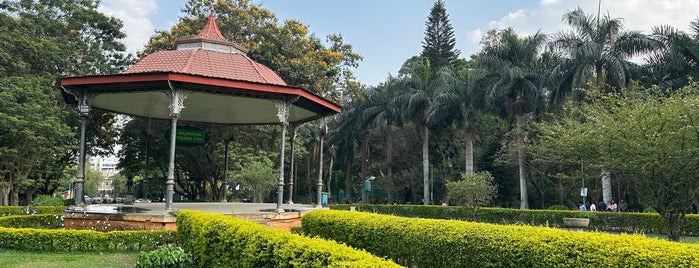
[{"x": 189, "y": 136}]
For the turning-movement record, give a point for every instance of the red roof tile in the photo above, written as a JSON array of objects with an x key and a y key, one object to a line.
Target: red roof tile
[{"x": 208, "y": 63}]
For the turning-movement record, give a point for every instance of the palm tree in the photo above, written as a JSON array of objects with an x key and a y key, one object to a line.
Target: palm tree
[
  {"x": 513, "y": 81},
  {"x": 460, "y": 104},
  {"x": 599, "y": 52},
  {"x": 417, "y": 89},
  {"x": 678, "y": 60},
  {"x": 382, "y": 110}
]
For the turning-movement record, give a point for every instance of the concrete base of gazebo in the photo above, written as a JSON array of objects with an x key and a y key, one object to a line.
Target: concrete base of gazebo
[{"x": 152, "y": 216}]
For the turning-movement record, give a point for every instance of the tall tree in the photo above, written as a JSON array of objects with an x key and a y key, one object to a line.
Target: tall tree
[
  {"x": 43, "y": 40},
  {"x": 418, "y": 85},
  {"x": 383, "y": 111},
  {"x": 513, "y": 80},
  {"x": 30, "y": 129},
  {"x": 676, "y": 63},
  {"x": 650, "y": 137},
  {"x": 459, "y": 104},
  {"x": 598, "y": 52},
  {"x": 439, "y": 42}
]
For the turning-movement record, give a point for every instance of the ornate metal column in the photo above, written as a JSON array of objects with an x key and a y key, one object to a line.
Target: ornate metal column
[
  {"x": 283, "y": 114},
  {"x": 322, "y": 130},
  {"x": 291, "y": 165},
  {"x": 176, "y": 104},
  {"x": 83, "y": 112}
]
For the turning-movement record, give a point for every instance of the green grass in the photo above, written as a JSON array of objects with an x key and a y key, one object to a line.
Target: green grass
[
  {"x": 19, "y": 259},
  {"x": 683, "y": 239}
]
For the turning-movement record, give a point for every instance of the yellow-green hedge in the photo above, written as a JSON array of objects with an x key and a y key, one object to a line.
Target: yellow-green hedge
[
  {"x": 453, "y": 243},
  {"x": 603, "y": 221},
  {"x": 223, "y": 241},
  {"x": 39, "y": 221},
  {"x": 27, "y": 239},
  {"x": 17, "y": 210}
]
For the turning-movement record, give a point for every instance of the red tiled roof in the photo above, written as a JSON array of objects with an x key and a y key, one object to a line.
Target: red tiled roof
[{"x": 208, "y": 63}]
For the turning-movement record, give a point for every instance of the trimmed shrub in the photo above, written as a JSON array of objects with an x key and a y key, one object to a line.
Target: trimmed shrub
[
  {"x": 47, "y": 200},
  {"x": 450, "y": 243},
  {"x": 38, "y": 221},
  {"x": 216, "y": 240},
  {"x": 171, "y": 257},
  {"x": 604, "y": 221},
  {"x": 35, "y": 240},
  {"x": 17, "y": 210},
  {"x": 559, "y": 207}
]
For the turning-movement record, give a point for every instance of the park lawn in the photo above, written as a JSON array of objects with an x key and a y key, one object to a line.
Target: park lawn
[{"x": 18, "y": 259}]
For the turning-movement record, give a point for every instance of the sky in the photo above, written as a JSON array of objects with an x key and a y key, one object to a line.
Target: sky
[{"x": 388, "y": 32}]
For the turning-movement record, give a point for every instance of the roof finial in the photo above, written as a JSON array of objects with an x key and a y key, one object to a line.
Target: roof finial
[{"x": 211, "y": 30}]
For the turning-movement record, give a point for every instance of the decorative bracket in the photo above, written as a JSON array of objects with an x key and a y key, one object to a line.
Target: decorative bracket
[
  {"x": 176, "y": 100},
  {"x": 283, "y": 108}
]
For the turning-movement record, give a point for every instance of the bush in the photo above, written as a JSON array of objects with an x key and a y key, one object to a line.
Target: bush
[
  {"x": 38, "y": 221},
  {"x": 604, "y": 221},
  {"x": 477, "y": 190},
  {"x": 216, "y": 240},
  {"x": 449, "y": 243},
  {"x": 17, "y": 210},
  {"x": 171, "y": 257},
  {"x": 36, "y": 240},
  {"x": 47, "y": 200},
  {"x": 559, "y": 207}
]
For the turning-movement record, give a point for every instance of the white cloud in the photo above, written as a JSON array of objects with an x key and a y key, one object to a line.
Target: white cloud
[
  {"x": 134, "y": 14},
  {"x": 549, "y": 2},
  {"x": 639, "y": 15},
  {"x": 475, "y": 36}
]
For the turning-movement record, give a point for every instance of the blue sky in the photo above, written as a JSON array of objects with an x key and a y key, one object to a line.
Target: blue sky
[{"x": 387, "y": 32}]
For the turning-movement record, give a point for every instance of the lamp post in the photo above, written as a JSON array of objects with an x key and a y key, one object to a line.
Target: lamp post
[
  {"x": 83, "y": 112},
  {"x": 371, "y": 187},
  {"x": 368, "y": 189}
]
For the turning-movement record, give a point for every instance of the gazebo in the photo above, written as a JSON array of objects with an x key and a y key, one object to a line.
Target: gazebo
[{"x": 206, "y": 78}]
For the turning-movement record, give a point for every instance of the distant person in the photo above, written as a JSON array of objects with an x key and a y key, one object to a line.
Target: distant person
[
  {"x": 623, "y": 206},
  {"x": 593, "y": 207},
  {"x": 583, "y": 207},
  {"x": 612, "y": 206},
  {"x": 602, "y": 206}
]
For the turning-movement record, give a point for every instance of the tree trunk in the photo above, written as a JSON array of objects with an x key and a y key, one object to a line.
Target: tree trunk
[
  {"x": 469, "y": 153},
  {"x": 389, "y": 163},
  {"x": 14, "y": 196},
  {"x": 559, "y": 188},
  {"x": 330, "y": 173},
  {"x": 308, "y": 179},
  {"x": 673, "y": 224},
  {"x": 606, "y": 186},
  {"x": 348, "y": 179},
  {"x": 426, "y": 165},
  {"x": 365, "y": 159},
  {"x": 523, "y": 197},
  {"x": 5, "y": 191}
]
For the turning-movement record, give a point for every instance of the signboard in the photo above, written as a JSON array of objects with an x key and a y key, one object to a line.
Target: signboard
[
  {"x": 189, "y": 136},
  {"x": 583, "y": 192}
]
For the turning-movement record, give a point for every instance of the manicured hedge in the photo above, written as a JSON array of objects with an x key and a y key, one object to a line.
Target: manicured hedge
[
  {"x": 452, "y": 243},
  {"x": 38, "y": 221},
  {"x": 27, "y": 239},
  {"x": 17, "y": 210},
  {"x": 223, "y": 241},
  {"x": 603, "y": 221}
]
